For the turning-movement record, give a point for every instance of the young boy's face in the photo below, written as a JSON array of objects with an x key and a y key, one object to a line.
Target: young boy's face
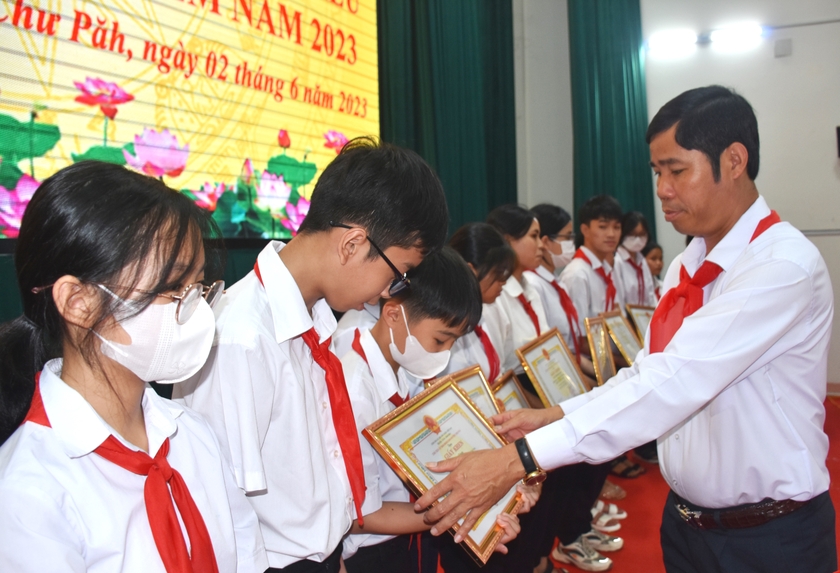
[
  {"x": 601, "y": 236},
  {"x": 433, "y": 334}
]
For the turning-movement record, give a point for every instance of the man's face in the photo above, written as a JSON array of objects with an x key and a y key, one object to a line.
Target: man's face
[
  {"x": 601, "y": 236},
  {"x": 691, "y": 199}
]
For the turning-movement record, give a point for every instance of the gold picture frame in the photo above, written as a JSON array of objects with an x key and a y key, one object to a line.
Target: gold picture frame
[
  {"x": 509, "y": 392},
  {"x": 641, "y": 317},
  {"x": 552, "y": 368},
  {"x": 472, "y": 381},
  {"x": 439, "y": 423},
  {"x": 599, "y": 348},
  {"x": 622, "y": 334}
]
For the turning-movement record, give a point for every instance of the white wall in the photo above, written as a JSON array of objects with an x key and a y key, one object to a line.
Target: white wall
[
  {"x": 796, "y": 100},
  {"x": 544, "y": 139}
]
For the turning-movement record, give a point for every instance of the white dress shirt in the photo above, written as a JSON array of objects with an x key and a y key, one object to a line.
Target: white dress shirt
[
  {"x": 342, "y": 340},
  {"x": 468, "y": 350},
  {"x": 586, "y": 287},
  {"x": 506, "y": 318},
  {"x": 267, "y": 401},
  {"x": 66, "y": 508},
  {"x": 736, "y": 398},
  {"x": 371, "y": 384},
  {"x": 540, "y": 280},
  {"x": 627, "y": 279}
]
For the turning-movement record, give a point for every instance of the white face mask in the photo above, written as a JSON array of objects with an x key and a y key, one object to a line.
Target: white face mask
[
  {"x": 416, "y": 360},
  {"x": 162, "y": 350},
  {"x": 565, "y": 257},
  {"x": 634, "y": 244}
]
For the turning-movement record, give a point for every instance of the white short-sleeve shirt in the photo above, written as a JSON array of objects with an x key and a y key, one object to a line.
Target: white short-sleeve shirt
[
  {"x": 65, "y": 508},
  {"x": 507, "y": 314},
  {"x": 628, "y": 278},
  {"x": 540, "y": 280},
  {"x": 586, "y": 287}
]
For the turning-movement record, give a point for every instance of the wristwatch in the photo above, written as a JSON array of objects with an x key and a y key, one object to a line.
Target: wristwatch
[{"x": 534, "y": 475}]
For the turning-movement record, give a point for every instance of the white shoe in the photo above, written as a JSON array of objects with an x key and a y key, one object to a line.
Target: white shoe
[
  {"x": 582, "y": 556},
  {"x": 610, "y": 509},
  {"x": 602, "y": 542}
]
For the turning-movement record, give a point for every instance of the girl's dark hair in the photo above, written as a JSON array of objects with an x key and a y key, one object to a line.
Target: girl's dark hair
[
  {"x": 100, "y": 223},
  {"x": 631, "y": 220},
  {"x": 482, "y": 246},
  {"x": 511, "y": 219},
  {"x": 651, "y": 245},
  {"x": 552, "y": 219}
]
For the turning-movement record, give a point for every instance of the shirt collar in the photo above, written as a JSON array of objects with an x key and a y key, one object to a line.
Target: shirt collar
[
  {"x": 78, "y": 427},
  {"x": 622, "y": 254},
  {"x": 288, "y": 309},
  {"x": 731, "y": 246},
  {"x": 595, "y": 261},
  {"x": 545, "y": 274},
  {"x": 387, "y": 384},
  {"x": 512, "y": 287}
]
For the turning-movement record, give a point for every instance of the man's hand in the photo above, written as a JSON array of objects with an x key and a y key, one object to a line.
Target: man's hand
[
  {"x": 516, "y": 423},
  {"x": 476, "y": 481}
]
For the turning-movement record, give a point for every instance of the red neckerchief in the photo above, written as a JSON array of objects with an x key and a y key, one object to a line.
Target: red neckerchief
[
  {"x": 571, "y": 313},
  {"x": 610, "y": 301}
]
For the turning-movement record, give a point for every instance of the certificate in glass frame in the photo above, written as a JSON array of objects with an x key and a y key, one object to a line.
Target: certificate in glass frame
[
  {"x": 472, "y": 381},
  {"x": 622, "y": 334},
  {"x": 509, "y": 392},
  {"x": 641, "y": 317},
  {"x": 599, "y": 347},
  {"x": 440, "y": 423},
  {"x": 552, "y": 368}
]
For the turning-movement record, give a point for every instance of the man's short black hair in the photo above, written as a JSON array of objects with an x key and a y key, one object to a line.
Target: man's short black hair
[
  {"x": 389, "y": 191},
  {"x": 443, "y": 287},
  {"x": 710, "y": 119},
  {"x": 552, "y": 219}
]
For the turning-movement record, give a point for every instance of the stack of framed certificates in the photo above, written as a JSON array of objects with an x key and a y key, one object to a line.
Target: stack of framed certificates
[
  {"x": 440, "y": 423},
  {"x": 622, "y": 334},
  {"x": 509, "y": 393},
  {"x": 641, "y": 317},
  {"x": 551, "y": 368},
  {"x": 599, "y": 348}
]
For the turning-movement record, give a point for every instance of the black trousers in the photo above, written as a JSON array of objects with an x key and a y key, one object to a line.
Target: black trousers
[
  {"x": 802, "y": 541},
  {"x": 580, "y": 487},
  {"x": 390, "y": 556},
  {"x": 331, "y": 564}
]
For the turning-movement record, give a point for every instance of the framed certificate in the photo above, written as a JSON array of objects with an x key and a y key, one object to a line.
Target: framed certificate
[
  {"x": 509, "y": 392},
  {"x": 599, "y": 347},
  {"x": 622, "y": 334},
  {"x": 472, "y": 381},
  {"x": 439, "y": 423},
  {"x": 552, "y": 368},
  {"x": 640, "y": 315}
]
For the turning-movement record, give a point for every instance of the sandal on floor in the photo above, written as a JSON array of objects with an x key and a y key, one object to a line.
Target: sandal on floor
[
  {"x": 610, "y": 509},
  {"x": 612, "y": 491},
  {"x": 606, "y": 523},
  {"x": 624, "y": 468}
]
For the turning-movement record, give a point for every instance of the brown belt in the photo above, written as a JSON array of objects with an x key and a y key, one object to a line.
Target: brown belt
[{"x": 748, "y": 516}]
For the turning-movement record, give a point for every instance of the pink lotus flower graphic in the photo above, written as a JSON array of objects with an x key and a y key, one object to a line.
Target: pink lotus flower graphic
[
  {"x": 247, "y": 172},
  {"x": 335, "y": 140},
  {"x": 272, "y": 193},
  {"x": 208, "y": 195},
  {"x": 13, "y": 203},
  {"x": 107, "y": 95},
  {"x": 283, "y": 139},
  {"x": 158, "y": 154},
  {"x": 297, "y": 213}
]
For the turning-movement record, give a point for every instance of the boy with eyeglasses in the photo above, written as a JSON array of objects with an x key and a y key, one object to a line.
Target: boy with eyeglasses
[{"x": 272, "y": 389}]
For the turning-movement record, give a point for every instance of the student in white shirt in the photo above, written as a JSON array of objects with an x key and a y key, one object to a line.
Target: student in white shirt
[
  {"x": 634, "y": 277},
  {"x": 492, "y": 260},
  {"x": 272, "y": 390},
  {"x": 413, "y": 335},
  {"x": 350, "y": 321},
  {"x": 590, "y": 278},
  {"x": 747, "y": 311},
  {"x": 93, "y": 463},
  {"x": 653, "y": 257}
]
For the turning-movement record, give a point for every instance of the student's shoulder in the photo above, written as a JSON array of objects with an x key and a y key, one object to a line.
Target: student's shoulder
[
  {"x": 33, "y": 463},
  {"x": 575, "y": 268}
]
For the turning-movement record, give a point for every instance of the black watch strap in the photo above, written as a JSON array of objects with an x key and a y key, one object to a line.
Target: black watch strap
[{"x": 526, "y": 457}]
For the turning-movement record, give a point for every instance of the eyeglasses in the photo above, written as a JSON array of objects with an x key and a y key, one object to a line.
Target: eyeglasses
[
  {"x": 400, "y": 282},
  {"x": 190, "y": 297},
  {"x": 566, "y": 237}
]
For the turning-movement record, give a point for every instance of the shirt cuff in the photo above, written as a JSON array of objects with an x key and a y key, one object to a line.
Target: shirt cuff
[{"x": 552, "y": 445}]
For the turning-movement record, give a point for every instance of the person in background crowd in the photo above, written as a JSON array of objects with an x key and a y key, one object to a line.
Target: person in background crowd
[
  {"x": 634, "y": 277},
  {"x": 110, "y": 265},
  {"x": 272, "y": 389},
  {"x": 653, "y": 256},
  {"x": 413, "y": 336}
]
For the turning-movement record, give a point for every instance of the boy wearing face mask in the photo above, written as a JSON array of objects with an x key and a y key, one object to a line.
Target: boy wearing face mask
[
  {"x": 634, "y": 277},
  {"x": 272, "y": 390},
  {"x": 410, "y": 342}
]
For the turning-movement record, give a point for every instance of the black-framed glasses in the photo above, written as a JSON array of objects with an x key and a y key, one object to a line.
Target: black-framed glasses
[{"x": 401, "y": 281}]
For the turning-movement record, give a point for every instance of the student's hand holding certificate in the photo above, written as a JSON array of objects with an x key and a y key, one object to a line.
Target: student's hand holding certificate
[{"x": 515, "y": 424}]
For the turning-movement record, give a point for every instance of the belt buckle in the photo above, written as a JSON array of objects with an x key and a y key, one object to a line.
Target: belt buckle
[{"x": 690, "y": 516}]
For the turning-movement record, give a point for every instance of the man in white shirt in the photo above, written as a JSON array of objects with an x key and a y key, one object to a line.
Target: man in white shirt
[
  {"x": 272, "y": 390},
  {"x": 731, "y": 382}
]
